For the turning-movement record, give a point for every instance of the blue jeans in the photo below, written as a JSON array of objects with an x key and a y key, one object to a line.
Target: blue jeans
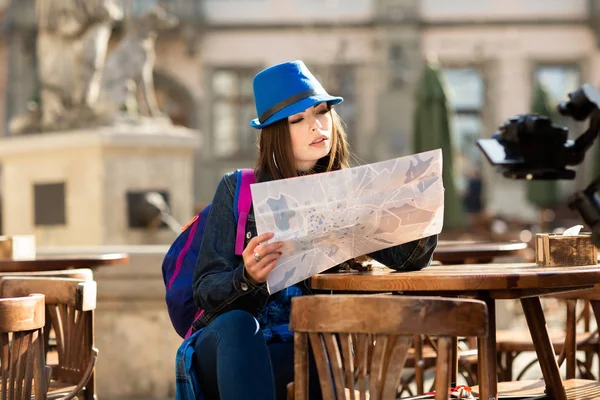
[{"x": 234, "y": 361}]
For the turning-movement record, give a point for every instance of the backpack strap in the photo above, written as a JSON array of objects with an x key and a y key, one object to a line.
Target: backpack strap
[{"x": 242, "y": 203}]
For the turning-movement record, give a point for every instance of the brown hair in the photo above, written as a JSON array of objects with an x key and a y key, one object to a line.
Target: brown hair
[{"x": 276, "y": 156}]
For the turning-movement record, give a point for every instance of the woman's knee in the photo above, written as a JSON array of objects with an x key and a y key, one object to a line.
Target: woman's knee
[{"x": 238, "y": 321}]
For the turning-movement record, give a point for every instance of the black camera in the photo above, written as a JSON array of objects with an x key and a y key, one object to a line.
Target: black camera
[{"x": 531, "y": 147}]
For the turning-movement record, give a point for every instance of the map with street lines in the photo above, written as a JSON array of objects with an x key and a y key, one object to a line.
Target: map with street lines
[{"x": 326, "y": 219}]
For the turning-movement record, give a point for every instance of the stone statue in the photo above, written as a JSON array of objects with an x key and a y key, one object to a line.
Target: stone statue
[
  {"x": 72, "y": 42},
  {"x": 128, "y": 71},
  {"x": 77, "y": 87}
]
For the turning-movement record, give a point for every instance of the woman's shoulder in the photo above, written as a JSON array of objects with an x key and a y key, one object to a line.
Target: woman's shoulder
[
  {"x": 226, "y": 183},
  {"x": 229, "y": 180}
]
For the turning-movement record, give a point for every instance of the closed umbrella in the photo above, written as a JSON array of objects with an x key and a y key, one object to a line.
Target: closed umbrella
[
  {"x": 432, "y": 131},
  {"x": 596, "y": 170},
  {"x": 543, "y": 194}
]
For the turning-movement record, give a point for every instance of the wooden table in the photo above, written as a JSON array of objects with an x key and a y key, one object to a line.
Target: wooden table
[
  {"x": 58, "y": 262},
  {"x": 487, "y": 282},
  {"x": 468, "y": 252}
]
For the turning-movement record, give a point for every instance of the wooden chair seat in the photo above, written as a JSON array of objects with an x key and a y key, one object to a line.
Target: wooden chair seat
[
  {"x": 576, "y": 389},
  {"x": 520, "y": 340}
]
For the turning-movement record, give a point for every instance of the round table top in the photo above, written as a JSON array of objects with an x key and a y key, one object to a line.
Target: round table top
[
  {"x": 469, "y": 252},
  {"x": 467, "y": 277},
  {"x": 58, "y": 262}
]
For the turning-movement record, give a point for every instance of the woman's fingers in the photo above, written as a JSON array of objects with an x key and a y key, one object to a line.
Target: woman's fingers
[
  {"x": 258, "y": 271},
  {"x": 265, "y": 249},
  {"x": 259, "y": 258},
  {"x": 264, "y": 272},
  {"x": 256, "y": 240}
]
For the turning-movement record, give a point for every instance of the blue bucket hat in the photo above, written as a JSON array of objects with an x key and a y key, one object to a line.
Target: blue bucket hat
[{"x": 286, "y": 89}]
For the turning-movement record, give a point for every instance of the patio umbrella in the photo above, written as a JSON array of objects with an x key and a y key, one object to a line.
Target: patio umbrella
[
  {"x": 432, "y": 131},
  {"x": 543, "y": 194}
]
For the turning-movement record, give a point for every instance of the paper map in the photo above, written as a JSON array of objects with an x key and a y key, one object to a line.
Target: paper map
[{"x": 326, "y": 219}]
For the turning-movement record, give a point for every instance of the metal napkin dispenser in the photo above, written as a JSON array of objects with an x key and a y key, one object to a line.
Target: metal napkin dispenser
[{"x": 554, "y": 250}]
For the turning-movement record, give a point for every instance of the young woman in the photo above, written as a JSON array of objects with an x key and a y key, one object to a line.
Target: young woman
[{"x": 245, "y": 349}]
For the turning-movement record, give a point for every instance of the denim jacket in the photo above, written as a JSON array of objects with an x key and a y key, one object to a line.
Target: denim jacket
[{"x": 220, "y": 282}]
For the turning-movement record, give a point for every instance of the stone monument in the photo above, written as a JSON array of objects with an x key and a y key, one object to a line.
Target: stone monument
[
  {"x": 78, "y": 168},
  {"x": 83, "y": 169}
]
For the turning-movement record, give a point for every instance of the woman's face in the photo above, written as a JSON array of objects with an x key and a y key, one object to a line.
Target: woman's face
[{"x": 310, "y": 132}]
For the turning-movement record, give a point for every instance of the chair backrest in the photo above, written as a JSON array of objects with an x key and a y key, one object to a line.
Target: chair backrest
[
  {"x": 361, "y": 340},
  {"x": 70, "y": 304},
  {"x": 21, "y": 348}
]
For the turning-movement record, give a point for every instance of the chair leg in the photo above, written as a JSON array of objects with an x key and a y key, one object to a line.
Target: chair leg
[
  {"x": 90, "y": 388},
  {"x": 419, "y": 373},
  {"x": 509, "y": 366}
]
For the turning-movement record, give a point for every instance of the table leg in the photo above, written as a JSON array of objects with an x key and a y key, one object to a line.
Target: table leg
[
  {"x": 543, "y": 347},
  {"x": 454, "y": 361},
  {"x": 487, "y": 350},
  {"x": 571, "y": 339}
]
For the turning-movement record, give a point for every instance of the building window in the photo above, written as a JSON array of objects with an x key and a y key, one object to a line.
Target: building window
[
  {"x": 340, "y": 80},
  {"x": 49, "y": 204},
  {"x": 232, "y": 109},
  {"x": 466, "y": 100},
  {"x": 558, "y": 81},
  {"x": 398, "y": 66}
]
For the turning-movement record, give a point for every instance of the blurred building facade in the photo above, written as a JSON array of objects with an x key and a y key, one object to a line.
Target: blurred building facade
[
  {"x": 360, "y": 49},
  {"x": 365, "y": 50},
  {"x": 369, "y": 51},
  {"x": 492, "y": 53}
]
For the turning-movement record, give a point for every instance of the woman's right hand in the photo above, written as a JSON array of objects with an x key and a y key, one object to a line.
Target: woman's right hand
[{"x": 260, "y": 259}]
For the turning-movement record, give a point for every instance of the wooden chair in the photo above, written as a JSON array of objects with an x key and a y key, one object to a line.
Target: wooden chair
[
  {"x": 566, "y": 342},
  {"x": 21, "y": 348},
  {"x": 423, "y": 357},
  {"x": 84, "y": 274},
  {"x": 344, "y": 329},
  {"x": 71, "y": 304}
]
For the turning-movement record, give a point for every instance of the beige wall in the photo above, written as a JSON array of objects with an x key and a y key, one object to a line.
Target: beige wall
[
  {"x": 98, "y": 167},
  {"x": 364, "y": 48},
  {"x": 502, "y": 9},
  {"x": 514, "y": 50},
  {"x": 3, "y": 82},
  {"x": 259, "y": 12},
  {"x": 239, "y": 48}
]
